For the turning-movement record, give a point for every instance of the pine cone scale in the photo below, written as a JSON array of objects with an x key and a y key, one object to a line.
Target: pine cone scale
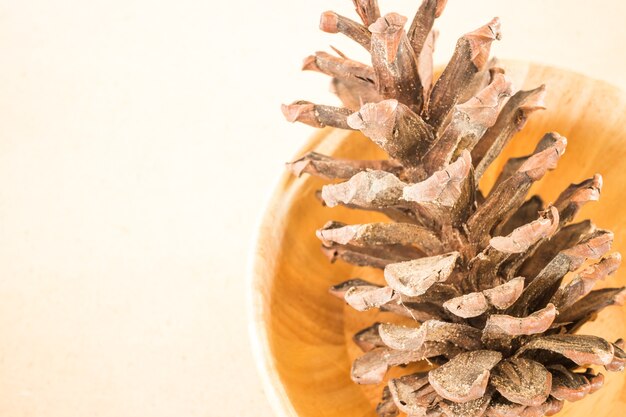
[{"x": 481, "y": 279}]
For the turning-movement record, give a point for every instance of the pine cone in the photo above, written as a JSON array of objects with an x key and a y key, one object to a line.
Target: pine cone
[{"x": 482, "y": 274}]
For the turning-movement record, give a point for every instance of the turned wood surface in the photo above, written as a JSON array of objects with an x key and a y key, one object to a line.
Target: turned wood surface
[{"x": 302, "y": 335}]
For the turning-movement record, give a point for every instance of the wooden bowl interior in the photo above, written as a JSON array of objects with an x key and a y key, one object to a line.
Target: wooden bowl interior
[{"x": 303, "y": 335}]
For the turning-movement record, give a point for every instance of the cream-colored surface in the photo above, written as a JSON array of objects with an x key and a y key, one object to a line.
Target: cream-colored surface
[{"x": 138, "y": 141}]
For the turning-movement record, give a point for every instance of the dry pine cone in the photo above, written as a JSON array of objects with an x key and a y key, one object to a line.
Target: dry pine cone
[{"x": 483, "y": 275}]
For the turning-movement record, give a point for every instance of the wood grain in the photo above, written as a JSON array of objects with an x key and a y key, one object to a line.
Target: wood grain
[{"x": 302, "y": 335}]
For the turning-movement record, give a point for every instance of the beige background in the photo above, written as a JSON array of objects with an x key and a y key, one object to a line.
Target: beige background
[{"x": 138, "y": 141}]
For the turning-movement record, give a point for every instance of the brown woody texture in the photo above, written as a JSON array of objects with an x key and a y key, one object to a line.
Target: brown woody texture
[{"x": 493, "y": 285}]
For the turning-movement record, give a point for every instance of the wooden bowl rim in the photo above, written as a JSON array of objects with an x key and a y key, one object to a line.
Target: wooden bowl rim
[
  {"x": 270, "y": 381},
  {"x": 257, "y": 329}
]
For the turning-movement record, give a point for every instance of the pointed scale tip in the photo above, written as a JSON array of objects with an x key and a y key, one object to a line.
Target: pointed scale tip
[
  {"x": 335, "y": 232},
  {"x": 598, "y": 181},
  {"x": 310, "y": 63},
  {"x": 536, "y": 323},
  {"x": 536, "y": 100},
  {"x": 388, "y": 24},
  {"x": 480, "y": 41},
  {"x": 298, "y": 166},
  {"x": 492, "y": 94},
  {"x": 389, "y": 29},
  {"x": 598, "y": 271},
  {"x": 292, "y": 111},
  {"x": 495, "y": 27},
  {"x": 329, "y": 21},
  {"x": 300, "y": 111},
  {"x": 380, "y": 116},
  {"x": 484, "y": 107},
  {"x": 591, "y": 192},
  {"x": 355, "y": 121},
  {"x": 443, "y": 187},
  {"x": 620, "y": 298},
  {"x": 537, "y": 165},
  {"x": 522, "y": 238},
  {"x": 594, "y": 247}
]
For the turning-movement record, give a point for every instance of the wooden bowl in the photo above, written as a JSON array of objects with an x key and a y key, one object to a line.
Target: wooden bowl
[{"x": 302, "y": 335}]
